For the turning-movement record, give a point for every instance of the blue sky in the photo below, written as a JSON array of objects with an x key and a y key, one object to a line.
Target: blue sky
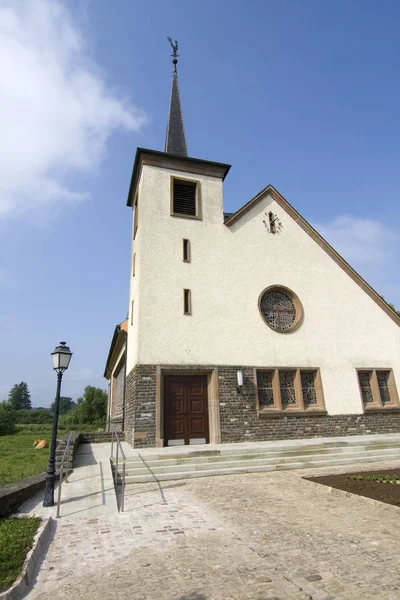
[{"x": 302, "y": 95}]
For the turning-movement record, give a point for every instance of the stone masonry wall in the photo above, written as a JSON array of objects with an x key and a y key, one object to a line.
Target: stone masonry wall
[
  {"x": 240, "y": 422},
  {"x": 238, "y": 413},
  {"x": 140, "y": 406}
]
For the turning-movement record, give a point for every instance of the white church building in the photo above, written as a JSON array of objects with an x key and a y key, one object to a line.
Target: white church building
[{"x": 242, "y": 326}]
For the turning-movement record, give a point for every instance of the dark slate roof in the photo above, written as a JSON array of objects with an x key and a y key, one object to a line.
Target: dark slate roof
[
  {"x": 227, "y": 216},
  {"x": 175, "y": 140}
]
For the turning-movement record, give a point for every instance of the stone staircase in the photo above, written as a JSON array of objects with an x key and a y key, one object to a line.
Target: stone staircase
[{"x": 164, "y": 464}]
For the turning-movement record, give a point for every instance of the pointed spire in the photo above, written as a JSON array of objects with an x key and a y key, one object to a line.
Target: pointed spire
[{"x": 175, "y": 140}]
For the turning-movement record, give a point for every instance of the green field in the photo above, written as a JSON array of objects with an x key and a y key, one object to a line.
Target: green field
[
  {"x": 16, "y": 537},
  {"x": 19, "y": 458}
]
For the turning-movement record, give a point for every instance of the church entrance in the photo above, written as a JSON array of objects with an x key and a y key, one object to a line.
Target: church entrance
[{"x": 185, "y": 410}]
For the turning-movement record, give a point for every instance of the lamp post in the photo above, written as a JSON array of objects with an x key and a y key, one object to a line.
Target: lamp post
[{"x": 61, "y": 357}]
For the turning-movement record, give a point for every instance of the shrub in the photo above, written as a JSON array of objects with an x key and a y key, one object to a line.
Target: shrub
[
  {"x": 8, "y": 419},
  {"x": 34, "y": 416}
]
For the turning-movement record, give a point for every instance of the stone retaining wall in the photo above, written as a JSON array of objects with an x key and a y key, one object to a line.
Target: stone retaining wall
[
  {"x": 14, "y": 494},
  {"x": 73, "y": 446},
  {"x": 99, "y": 437}
]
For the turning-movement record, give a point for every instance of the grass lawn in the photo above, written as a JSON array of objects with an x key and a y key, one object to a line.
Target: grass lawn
[
  {"x": 18, "y": 457},
  {"x": 16, "y": 537}
]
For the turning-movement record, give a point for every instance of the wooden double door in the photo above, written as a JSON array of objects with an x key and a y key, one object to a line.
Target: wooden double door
[{"x": 185, "y": 410}]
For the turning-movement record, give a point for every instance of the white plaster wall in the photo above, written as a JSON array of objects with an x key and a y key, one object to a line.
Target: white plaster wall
[
  {"x": 133, "y": 326},
  {"x": 342, "y": 329}
]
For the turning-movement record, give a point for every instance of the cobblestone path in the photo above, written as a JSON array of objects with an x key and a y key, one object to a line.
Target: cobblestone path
[{"x": 266, "y": 536}]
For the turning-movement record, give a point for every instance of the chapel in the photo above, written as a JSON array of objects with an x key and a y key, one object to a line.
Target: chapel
[{"x": 244, "y": 326}]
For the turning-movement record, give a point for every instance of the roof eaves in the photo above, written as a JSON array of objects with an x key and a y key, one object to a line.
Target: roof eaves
[{"x": 136, "y": 165}]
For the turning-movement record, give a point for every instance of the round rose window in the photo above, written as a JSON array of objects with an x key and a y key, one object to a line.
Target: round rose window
[{"x": 280, "y": 309}]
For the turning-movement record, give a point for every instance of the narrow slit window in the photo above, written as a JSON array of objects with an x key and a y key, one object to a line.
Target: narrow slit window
[
  {"x": 134, "y": 265},
  {"x": 187, "y": 302},
  {"x": 186, "y": 251},
  {"x": 135, "y": 217},
  {"x": 365, "y": 386},
  {"x": 132, "y": 311},
  {"x": 383, "y": 385},
  {"x": 184, "y": 198}
]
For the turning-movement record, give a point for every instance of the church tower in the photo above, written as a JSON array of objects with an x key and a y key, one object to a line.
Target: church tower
[{"x": 177, "y": 206}]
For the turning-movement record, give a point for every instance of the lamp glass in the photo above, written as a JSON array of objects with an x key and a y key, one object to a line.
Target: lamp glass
[{"x": 61, "y": 357}]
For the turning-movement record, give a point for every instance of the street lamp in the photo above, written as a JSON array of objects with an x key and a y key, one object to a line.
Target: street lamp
[{"x": 61, "y": 357}]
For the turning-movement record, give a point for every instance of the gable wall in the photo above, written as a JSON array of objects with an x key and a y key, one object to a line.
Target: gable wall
[{"x": 343, "y": 328}]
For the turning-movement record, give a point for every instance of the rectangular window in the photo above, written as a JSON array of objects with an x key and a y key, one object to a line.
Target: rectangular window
[
  {"x": 383, "y": 385},
  {"x": 185, "y": 201},
  {"x": 187, "y": 302},
  {"x": 186, "y": 251},
  {"x": 265, "y": 388},
  {"x": 132, "y": 311},
  {"x": 135, "y": 217},
  {"x": 364, "y": 378},
  {"x": 134, "y": 265},
  {"x": 308, "y": 388},
  {"x": 378, "y": 389},
  {"x": 286, "y": 384},
  {"x": 289, "y": 390}
]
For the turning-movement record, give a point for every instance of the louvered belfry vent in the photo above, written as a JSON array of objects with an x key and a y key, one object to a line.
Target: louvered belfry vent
[{"x": 184, "y": 199}]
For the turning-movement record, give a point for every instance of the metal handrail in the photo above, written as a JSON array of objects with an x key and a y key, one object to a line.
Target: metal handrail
[
  {"x": 65, "y": 453},
  {"x": 119, "y": 449}
]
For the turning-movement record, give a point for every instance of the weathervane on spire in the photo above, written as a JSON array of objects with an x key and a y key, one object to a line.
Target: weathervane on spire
[{"x": 175, "y": 52}]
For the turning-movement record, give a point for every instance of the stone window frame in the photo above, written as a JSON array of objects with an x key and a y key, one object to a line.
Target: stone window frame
[
  {"x": 277, "y": 409},
  {"x": 377, "y": 404},
  {"x": 296, "y": 302},
  {"x": 198, "y": 215}
]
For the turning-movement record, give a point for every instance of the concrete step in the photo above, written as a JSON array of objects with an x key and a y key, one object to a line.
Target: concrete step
[
  {"x": 308, "y": 463},
  {"x": 154, "y": 461},
  {"x": 278, "y": 447},
  {"x": 141, "y": 468}
]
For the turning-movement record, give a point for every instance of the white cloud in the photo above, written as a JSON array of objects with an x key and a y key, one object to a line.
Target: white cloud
[
  {"x": 359, "y": 240},
  {"x": 371, "y": 247},
  {"x": 56, "y": 110}
]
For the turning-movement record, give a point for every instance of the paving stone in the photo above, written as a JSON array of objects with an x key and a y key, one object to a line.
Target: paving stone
[{"x": 241, "y": 537}]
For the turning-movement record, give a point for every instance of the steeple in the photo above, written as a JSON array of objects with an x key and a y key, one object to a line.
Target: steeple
[{"x": 175, "y": 140}]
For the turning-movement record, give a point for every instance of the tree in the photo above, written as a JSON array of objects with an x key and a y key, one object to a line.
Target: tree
[
  {"x": 19, "y": 396},
  {"x": 66, "y": 404},
  {"x": 92, "y": 406},
  {"x": 392, "y": 306},
  {"x": 7, "y": 418}
]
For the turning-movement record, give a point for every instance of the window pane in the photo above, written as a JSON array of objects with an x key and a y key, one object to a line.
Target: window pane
[
  {"x": 308, "y": 387},
  {"x": 265, "y": 391},
  {"x": 383, "y": 384},
  {"x": 365, "y": 385},
  {"x": 278, "y": 310},
  {"x": 286, "y": 383}
]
